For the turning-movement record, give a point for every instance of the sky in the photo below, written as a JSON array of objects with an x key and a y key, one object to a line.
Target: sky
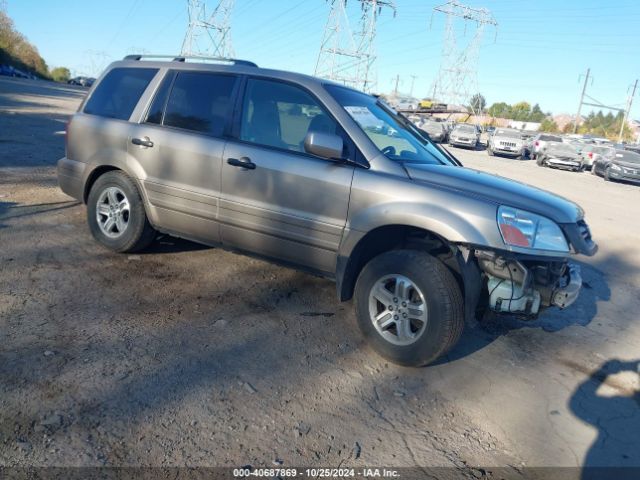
[{"x": 537, "y": 53}]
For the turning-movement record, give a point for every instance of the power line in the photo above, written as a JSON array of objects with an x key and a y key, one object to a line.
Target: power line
[
  {"x": 457, "y": 79},
  {"x": 209, "y": 35},
  {"x": 347, "y": 56}
]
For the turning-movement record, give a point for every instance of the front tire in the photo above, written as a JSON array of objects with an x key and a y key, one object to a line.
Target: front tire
[
  {"x": 116, "y": 215},
  {"x": 540, "y": 161},
  {"x": 409, "y": 307}
]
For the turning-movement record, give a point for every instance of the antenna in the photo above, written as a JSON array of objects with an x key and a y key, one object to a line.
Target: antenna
[
  {"x": 345, "y": 56},
  {"x": 457, "y": 79},
  {"x": 209, "y": 36}
]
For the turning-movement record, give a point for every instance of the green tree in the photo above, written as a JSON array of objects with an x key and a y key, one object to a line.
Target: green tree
[
  {"x": 478, "y": 103},
  {"x": 17, "y": 51},
  {"x": 500, "y": 110},
  {"x": 521, "y": 111},
  {"x": 60, "y": 74},
  {"x": 548, "y": 125}
]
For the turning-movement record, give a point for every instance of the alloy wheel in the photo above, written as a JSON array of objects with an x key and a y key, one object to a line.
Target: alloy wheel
[{"x": 397, "y": 309}]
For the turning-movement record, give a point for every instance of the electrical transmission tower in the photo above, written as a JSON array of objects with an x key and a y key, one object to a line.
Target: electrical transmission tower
[
  {"x": 209, "y": 35},
  {"x": 458, "y": 76},
  {"x": 347, "y": 56}
]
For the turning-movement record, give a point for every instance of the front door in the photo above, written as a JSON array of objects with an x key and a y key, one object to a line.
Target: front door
[{"x": 276, "y": 199}]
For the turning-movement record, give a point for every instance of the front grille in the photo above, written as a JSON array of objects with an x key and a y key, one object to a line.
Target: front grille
[{"x": 507, "y": 144}]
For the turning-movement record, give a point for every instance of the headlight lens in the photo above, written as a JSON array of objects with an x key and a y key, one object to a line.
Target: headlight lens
[
  {"x": 520, "y": 228},
  {"x": 615, "y": 167}
]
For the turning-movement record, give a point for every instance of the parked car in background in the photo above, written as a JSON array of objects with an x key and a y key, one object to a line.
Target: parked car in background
[
  {"x": 82, "y": 81},
  {"x": 437, "y": 131},
  {"x": 406, "y": 103},
  {"x": 507, "y": 142},
  {"x": 603, "y": 141},
  {"x": 540, "y": 141},
  {"x": 633, "y": 147},
  {"x": 464, "y": 135},
  {"x": 622, "y": 165},
  {"x": 6, "y": 70},
  {"x": 560, "y": 155},
  {"x": 416, "y": 239},
  {"x": 592, "y": 153}
]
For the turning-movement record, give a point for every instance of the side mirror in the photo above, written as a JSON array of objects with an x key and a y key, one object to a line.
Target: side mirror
[{"x": 325, "y": 145}]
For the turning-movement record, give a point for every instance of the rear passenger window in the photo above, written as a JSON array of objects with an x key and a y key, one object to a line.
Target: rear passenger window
[
  {"x": 118, "y": 93},
  {"x": 200, "y": 101}
]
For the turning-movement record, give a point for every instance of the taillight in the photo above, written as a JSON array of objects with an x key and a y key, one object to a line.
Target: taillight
[
  {"x": 590, "y": 154},
  {"x": 537, "y": 143}
]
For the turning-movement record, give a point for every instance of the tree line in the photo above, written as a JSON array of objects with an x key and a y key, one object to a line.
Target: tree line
[
  {"x": 17, "y": 51},
  {"x": 597, "y": 124}
]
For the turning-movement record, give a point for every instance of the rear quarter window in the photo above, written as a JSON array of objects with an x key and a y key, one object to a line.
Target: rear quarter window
[{"x": 119, "y": 91}]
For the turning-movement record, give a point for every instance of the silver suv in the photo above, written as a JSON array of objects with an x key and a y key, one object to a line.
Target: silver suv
[{"x": 325, "y": 178}]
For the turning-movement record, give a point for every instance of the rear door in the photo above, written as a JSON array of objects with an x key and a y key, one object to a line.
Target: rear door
[
  {"x": 177, "y": 151},
  {"x": 291, "y": 205}
]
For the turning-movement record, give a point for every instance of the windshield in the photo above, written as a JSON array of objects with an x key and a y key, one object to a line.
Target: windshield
[
  {"x": 508, "y": 133},
  {"x": 550, "y": 138},
  {"x": 626, "y": 156},
  {"x": 465, "y": 128},
  {"x": 603, "y": 150},
  {"x": 394, "y": 136},
  {"x": 432, "y": 126}
]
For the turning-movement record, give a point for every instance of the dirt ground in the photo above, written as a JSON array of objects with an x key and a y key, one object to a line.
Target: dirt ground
[{"x": 192, "y": 356}]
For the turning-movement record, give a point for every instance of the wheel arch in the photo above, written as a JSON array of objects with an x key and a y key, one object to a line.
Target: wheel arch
[{"x": 385, "y": 238}]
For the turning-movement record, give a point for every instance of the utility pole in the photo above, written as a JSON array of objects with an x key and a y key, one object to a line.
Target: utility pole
[
  {"x": 395, "y": 90},
  {"x": 584, "y": 90},
  {"x": 208, "y": 35},
  {"x": 413, "y": 79},
  {"x": 625, "y": 117},
  {"x": 347, "y": 55},
  {"x": 457, "y": 78}
]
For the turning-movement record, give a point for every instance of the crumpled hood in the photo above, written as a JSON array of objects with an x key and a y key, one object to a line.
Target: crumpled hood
[
  {"x": 563, "y": 155},
  {"x": 496, "y": 189}
]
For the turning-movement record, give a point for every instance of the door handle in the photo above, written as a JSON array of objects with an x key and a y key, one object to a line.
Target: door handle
[
  {"x": 244, "y": 162},
  {"x": 143, "y": 142}
]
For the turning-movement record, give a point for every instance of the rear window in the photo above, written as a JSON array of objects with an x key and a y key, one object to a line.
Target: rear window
[
  {"x": 119, "y": 91},
  {"x": 200, "y": 101},
  {"x": 550, "y": 138}
]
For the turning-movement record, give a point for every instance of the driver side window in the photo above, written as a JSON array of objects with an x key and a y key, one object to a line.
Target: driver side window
[{"x": 280, "y": 115}]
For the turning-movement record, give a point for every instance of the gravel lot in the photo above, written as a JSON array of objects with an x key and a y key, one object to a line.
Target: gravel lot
[{"x": 191, "y": 356}]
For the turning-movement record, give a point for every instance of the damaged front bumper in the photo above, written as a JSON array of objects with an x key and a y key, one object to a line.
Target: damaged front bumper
[{"x": 522, "y": 285}]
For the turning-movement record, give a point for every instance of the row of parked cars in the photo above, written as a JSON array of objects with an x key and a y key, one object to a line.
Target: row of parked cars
[
  {"x": 9, "y": 71},
  {"x": 567, "y": 152},
  {"x": 606, "y": 159},
  {"x": 82, "y": 81}
]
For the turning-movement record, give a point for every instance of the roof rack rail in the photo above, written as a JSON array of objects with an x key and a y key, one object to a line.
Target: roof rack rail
[{"x": 184, "y": 58}]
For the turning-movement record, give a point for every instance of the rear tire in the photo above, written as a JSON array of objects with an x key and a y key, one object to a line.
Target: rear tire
[
  {"x": 400, "y": 334},
  {"x": 113, "y": 194}
]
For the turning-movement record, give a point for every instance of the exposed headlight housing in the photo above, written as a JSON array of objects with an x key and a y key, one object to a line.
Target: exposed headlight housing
[
  {"x": 616, "y": 167},
  {"x": 523, "y": 229}
]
